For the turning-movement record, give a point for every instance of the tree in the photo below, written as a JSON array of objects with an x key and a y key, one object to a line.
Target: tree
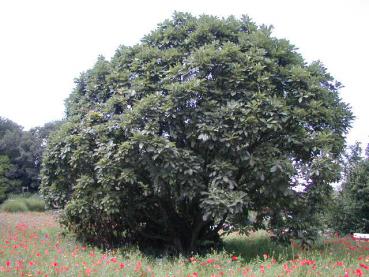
[
  {"x": 22, "y": 152},
  {"x": 32, "y": 147},
  {"x": 203, "y": 121},
  {"x": 351, "y": 211},
  {"x": 10, "y": 138},
  {"x": 6, "y": 184}
]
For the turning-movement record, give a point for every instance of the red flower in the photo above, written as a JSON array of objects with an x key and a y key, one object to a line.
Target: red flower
[
  {"x": 339, "y": 264},
  {"x": 192, "y": 259},
  {"x": 54, "y": 264},
  {"x": 364, "y": 266},
  {"x": 122, "y": 265},
  {"x": 113, "y": 260},
  {"x": 31, "y": 263},
  {"x": 88, "y": 271},
  {"x": 359, "y": 272},
  {"x": 8, "y": 263},
  {"x": 234, "y": 258},
  {"x": 209, "y": 261},
  {"x": 138, "y": 266}
]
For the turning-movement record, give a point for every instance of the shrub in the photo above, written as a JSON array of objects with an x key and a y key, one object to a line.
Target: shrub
[
  {"x": 23, "y": 204},
  {"x": 35, "y": 204},
  {"x": 14, "y": 205}
]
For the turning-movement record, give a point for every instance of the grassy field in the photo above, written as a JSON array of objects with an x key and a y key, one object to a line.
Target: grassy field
[{"x": 31, "y": 244}]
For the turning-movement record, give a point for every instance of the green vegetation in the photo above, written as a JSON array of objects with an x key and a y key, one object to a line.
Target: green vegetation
[
  {"x": 204, "y": 121},
  {"x": 45, "y": 251},
  {"x": 350, "y": 210},
  {"x": 20, "y": 157},
  {"x": 23, "y": 204}
]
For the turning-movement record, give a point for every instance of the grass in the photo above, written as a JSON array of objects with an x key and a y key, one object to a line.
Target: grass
[
  {"x": 23, "y": 204},
  {"x": 32, "y": 244}
]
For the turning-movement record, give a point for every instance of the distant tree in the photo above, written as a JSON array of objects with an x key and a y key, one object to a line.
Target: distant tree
[
  {"x": 6, "y": 184},
  {"x": 22, "y": 151},
  {"x": 351, "y": 212},
  {"x": 203, "y": 121},
  {"x": 32, "y": 147}
]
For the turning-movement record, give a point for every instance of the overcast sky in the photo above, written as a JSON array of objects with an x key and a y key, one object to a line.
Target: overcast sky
[{"x": 45, "y": 44}]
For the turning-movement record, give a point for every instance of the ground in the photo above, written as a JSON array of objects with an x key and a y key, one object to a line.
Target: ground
[{"x": 33, "y": 244}]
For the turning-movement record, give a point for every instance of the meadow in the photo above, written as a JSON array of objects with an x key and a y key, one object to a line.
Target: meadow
[{"x": 33, "y": 244}]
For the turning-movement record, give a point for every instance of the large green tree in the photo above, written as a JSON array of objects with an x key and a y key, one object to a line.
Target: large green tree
[{"x": 203, "y": 121}]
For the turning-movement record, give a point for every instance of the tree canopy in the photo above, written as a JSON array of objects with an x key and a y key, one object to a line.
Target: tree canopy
[{"x": 203, "y": 121}]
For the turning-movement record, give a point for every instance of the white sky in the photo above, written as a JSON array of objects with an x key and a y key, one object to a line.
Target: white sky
[{"x": 45, "y": 44}]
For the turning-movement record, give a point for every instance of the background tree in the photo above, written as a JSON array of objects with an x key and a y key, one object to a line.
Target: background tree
[
  {"x": 7, "y": 184},
  {"x": 204, "y": 120},
  {"x": 351, "y": 209},
  {"x": 32, "y": 147},
  {"x": 21, "y": 153},
  {"x": 10, "y": 138}
]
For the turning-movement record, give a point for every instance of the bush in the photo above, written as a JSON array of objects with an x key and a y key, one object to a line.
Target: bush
[
  {"x": 35, "y": 204},
  {"x": 14, "y": 205},
  {"x": 23, "y": 204}
]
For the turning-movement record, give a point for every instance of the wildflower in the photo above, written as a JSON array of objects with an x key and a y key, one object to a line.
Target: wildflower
[
  {"x": 262, "y": 269},
  {"x": 209, "y": 261},
  {"x": 192, "y": 259},
  {"x": 31, "y": 263},
  {"x": 54, "y": 264},
  {"x": 359, "y": 272},
  {"x": 339, "y": 264},
  {"x": 113, "y": 260},
  {"x": 364, "y": 266},
  {"x": 121, "y": 265},
  {"x": 234, "y": 258},
  {"x": 88, "y": 271},
  {"x": 8, "y": 263},
  {"x": 138, "y": 266}
]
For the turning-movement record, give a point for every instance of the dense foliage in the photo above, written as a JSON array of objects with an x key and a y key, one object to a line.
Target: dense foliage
[
  {"x": 203, "y": 121},
  {"x": 351, "y": 206},
  {"x": 20, "y": 156}
]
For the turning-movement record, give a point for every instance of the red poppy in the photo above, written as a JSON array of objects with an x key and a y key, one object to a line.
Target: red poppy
[
  {"x": 359, "y": 272},
  {"x": 339, "y": 264},
  {"x": 209, "y": 261},
  {"x": 88, "y": 271}
]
